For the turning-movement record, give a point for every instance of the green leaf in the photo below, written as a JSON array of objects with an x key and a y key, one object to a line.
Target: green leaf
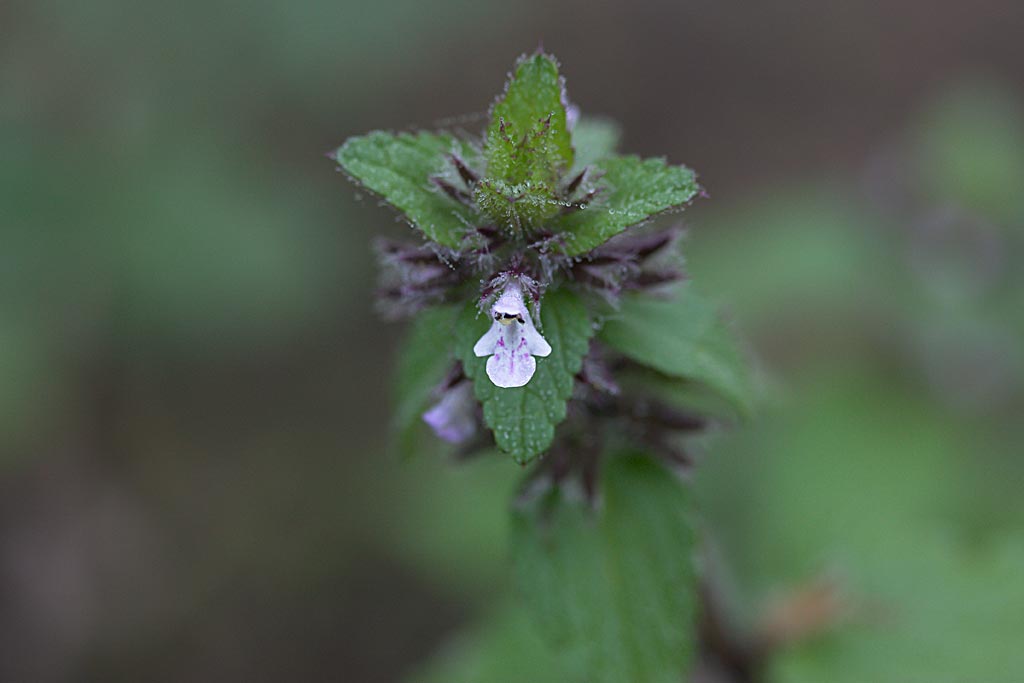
[
  {"x": 398, "y": 168},
  {"x": 523, "y": 419},
  {"x": 683, "y": 337},
  {"x": 636, "y": 190},
  {"x": 528, "y": 147},
  {"x": 687, "y": 395},
  {"x": 517, "y": 207},
  {"x": 594, "y": 139},
  {"x": 613, "y": 589},
  {"x": 531, "y": 116},
  {"x": 422, "y": 364}
]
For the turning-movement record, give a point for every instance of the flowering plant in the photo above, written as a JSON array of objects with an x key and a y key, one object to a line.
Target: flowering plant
[{"x": 552, "y": 318}]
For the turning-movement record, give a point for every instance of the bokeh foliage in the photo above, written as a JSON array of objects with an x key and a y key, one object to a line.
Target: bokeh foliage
[{"x": 192, "y": 399}]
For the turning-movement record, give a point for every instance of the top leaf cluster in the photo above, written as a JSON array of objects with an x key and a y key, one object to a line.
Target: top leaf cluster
[
  {"x": 524, "y": 178},
  {"x": 540, "y": 201}
]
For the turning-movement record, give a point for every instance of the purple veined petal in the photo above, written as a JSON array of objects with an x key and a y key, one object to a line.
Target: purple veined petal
[
  {"x": 452, "y": 418},
  {"x": 537, "y": 344},
  {"x": 511, "y": 365}
]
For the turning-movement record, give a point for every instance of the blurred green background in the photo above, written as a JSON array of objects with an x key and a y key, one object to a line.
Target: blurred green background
[{"x": 194, "y": 484}]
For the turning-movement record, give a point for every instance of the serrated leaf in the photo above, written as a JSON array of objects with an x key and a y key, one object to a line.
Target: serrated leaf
[
  {"x": 530, "y": 115},
  {"x": 523, "y": 419},
  {"x": 635, "y": 190},
  {"x": 683, "y": 337},
  {"x": 398, "y": 168},
  {"x": 593, "y": 139},
  {"x": 423, "y": 360},
  {"x": 613, "y": 589}
]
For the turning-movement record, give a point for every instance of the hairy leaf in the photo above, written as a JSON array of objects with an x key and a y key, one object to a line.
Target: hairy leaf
[
  {"x": 523, "y": 419},
  {"x": 635, "y": 191},
  {"x": 613, "y": 589},
  {"x": 530, "y": 116},
  {"x": 399, "y": 168},
  {"x": 683, "y": 337},
  {"x": 527, "y": 147},
  {"x": 516, "y": 207}
]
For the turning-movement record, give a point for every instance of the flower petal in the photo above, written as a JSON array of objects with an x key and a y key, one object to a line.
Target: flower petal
[
  {"x": 537, "y": 344},
  {"x": 486, "y": 344},
  {"x": 512, "y": 342},
  {"x": 453, "y": 418},
  {"x": 511, "y": 365}
]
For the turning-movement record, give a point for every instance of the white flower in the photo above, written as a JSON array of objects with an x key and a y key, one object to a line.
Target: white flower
[{"x": 512, "y": 341}]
